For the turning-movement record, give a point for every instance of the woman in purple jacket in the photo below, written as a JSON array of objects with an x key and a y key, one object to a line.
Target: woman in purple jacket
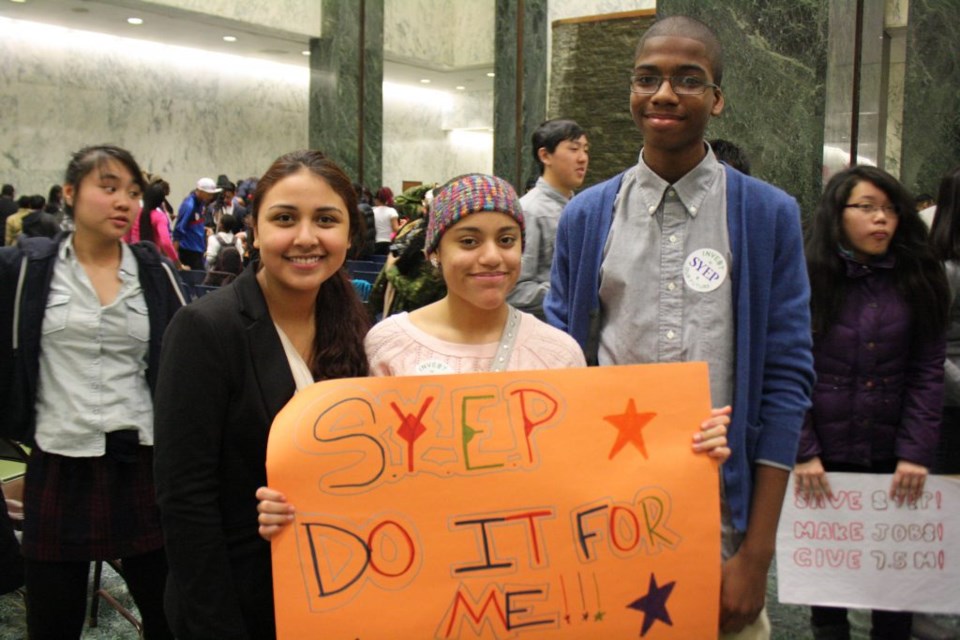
[{"x": 879, "y": 308}]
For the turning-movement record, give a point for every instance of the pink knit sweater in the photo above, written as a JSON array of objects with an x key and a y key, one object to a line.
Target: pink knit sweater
[{"x": 395, "y": 347}]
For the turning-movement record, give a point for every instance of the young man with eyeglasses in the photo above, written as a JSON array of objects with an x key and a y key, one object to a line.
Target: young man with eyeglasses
[
  {"x": 681, "y": 258},
  {"x": 561, "y": 151}
]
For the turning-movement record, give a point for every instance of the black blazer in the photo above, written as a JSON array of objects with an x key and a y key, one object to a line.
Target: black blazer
[{"x": 223, "y": 378}]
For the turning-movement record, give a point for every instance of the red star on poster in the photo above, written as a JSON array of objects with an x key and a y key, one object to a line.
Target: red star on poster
[{"x": 629, "y": 425}]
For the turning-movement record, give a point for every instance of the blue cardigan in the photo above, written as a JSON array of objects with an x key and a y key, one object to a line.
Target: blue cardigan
[{"x": 774, "y": 365}]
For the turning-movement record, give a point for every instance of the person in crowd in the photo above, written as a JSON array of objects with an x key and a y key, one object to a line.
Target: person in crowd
[
  {"x": 945, "y": 242},
  {"x": 189, "y": 231},
  {"x": 225, "y": 203},
  {"x": 14, "y": 228},
  {"x": 228, "y": 266},
  {"x": 927, "y": 207},
  {"x": 387, "y": 219},
  {"x": 165, "y": 205},
  {"x": 14, "y": 223},
  {"x": 407, "y": 281},
  {"x": 39, "y": 223},
  {"x": 226, "y": 236},
  {"x": 8, "y": 206},
  {"x": 290, "y": 319},
  {"x": 562, "y": 152},
  {"x": 91, "y": 313},
  {"x": 153, "y": 225},
  {"x": 879, "y": 307},
  {"x": 364, "y": 201},
  {"x": 475, "y": 239},
  {"x": 54, "y": 204},
  {"x": 731, "y": 154},
  {"x": 681, "y": 258}
]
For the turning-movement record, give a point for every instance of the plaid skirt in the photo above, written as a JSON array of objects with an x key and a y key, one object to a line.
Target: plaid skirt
[{"x": 77, "y": 509}]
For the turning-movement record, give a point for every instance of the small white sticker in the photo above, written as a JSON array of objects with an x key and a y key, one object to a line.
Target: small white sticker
[{"x": 704, "y": 270}]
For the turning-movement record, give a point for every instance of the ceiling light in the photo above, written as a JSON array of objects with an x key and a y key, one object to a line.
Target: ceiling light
[
  {"x": 491, "y": 74},
  {"x": 460, "y": 87},
  {"x": 306, "y": 53},
  {"x": 135, "y": 20},
  {"x": 18, "y": 1},
  {"x": 229, "y": 38},
  {"x": 424, "y": 80}
]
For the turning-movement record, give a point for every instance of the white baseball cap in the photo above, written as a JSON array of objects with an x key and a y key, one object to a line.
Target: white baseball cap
[{"x": 207, "y": 185}]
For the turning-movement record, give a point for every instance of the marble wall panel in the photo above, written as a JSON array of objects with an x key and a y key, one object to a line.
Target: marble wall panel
[
  {"x": 470, "y": 110},
  {"x": 346, "y": 114},
  {"x": 420, "y": 30},
  {"x": 774, "y": 84},
  {"x": 295, "y": 16},
  {"x": 931, "y": 118},
  {"x": 419, "y": 148},
  {"x": 518, "y": 107},
  {"x": 473, "y": 38},
  {"x": 57, "y": 97},
  {"x": 439, "y": 33}
]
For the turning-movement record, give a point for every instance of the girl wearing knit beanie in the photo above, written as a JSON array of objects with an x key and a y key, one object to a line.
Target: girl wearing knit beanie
[{"x": 475, "y": 238}]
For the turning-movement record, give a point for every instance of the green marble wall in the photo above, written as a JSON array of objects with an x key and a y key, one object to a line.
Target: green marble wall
[
  {"x": 931, "y": 111},
  {"x": 590, "y": 83},
  {"x": 520, "y": 86},
  {"x": 346, "y": 87},
  {"x": 773, "y": 83}
]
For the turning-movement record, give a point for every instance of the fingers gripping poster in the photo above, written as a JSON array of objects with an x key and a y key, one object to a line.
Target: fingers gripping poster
[{"x": 547, "y": 504}]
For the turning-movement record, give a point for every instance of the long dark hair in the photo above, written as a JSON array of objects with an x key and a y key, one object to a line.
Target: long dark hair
[
  {"x": 96, "y": 157},
  {"x": 152, "y": 199},
  {"x": 945, "y": 232},
  {"x": 342, "y": 320},
  {"x": 920, "y": 278}
]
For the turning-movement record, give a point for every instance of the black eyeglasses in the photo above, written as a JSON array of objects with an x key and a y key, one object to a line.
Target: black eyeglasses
[
  {"x": 868, "y": 209},
  {"x": 681, "y": 85}
]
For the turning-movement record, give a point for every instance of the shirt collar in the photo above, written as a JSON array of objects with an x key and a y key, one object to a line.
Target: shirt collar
[
  {"x": 128, "y": 262},
  {"x": 551, "y": 192},
  {"x": 691, "y": 189}
]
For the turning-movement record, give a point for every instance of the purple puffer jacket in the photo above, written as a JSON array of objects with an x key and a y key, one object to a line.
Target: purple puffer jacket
[{"x": 879, "y": 392}]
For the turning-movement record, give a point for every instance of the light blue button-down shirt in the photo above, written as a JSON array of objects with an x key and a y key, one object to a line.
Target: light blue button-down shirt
[
  {"x": 93, "y": 360},
  {"x": 665, "y": 289}
]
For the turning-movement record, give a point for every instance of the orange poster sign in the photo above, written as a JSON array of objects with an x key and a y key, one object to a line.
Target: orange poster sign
[{"x": 531, "y": 504}]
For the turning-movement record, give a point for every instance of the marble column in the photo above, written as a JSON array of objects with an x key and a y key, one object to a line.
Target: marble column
[
  {"x": 931, "y": 118},
  {"x": 520, "y": 86},
  {"x": 346, "y": 84},
  {"x": 773, "y": 84}
]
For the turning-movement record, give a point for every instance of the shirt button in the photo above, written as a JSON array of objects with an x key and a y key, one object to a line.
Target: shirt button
[
  {"x": 871, "y": 345},
  {"x": 671, "y": 286},
  {"x": 670, "y": 334},
  {"x": 869, "y": 384},
  {"x": 651, "y": 208},
  {"x": 671, "y": 192},
  {"x": 693, "y": 209},
  {"x": 673, "y": 239}
]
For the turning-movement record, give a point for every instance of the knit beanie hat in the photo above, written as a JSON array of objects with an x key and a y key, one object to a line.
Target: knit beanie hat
[{"x": 466, "y": 194}]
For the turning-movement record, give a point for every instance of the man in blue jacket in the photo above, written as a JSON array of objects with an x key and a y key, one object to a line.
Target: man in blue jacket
[
  {"x": 681, "y": 258},
  {"x": 189, "y": 232}
]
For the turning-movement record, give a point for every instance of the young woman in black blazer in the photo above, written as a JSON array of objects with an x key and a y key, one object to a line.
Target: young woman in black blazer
[{"x": 230, "y": 362}]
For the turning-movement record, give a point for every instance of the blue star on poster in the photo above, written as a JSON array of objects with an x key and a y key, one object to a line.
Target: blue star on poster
[{"x": 653, "y": 605}]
